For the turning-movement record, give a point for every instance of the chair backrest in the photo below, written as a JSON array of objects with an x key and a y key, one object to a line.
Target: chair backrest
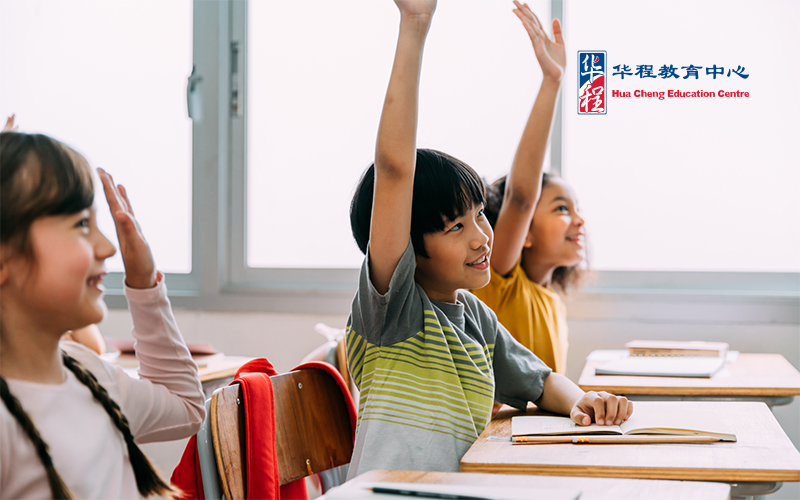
[
  {"x": 312, "y": 429},
  {"x": 341, "y": 361},
  {"x": 207, "y": 458}
]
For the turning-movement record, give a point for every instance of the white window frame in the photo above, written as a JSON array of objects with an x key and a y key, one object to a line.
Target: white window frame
[{"x": 221, "y": 280}]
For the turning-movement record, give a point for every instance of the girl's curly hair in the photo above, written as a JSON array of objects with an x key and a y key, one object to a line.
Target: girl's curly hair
[{"x": 564, "y": 278}]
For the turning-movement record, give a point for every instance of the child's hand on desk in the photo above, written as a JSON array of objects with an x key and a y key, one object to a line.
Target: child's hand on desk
[
  {"x": 602, "y": 407},
  {"x": 140, "y": 268}
]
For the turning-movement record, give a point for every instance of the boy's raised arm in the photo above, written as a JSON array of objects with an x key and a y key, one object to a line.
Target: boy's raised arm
[
  {"x": 523, "y": 184},
  {"x": 396, "y": 150}
]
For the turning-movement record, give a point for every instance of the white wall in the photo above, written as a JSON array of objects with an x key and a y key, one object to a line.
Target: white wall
[{"x": 605, "y": 323}]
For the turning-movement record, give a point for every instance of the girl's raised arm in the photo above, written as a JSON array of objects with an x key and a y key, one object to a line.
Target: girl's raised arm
[
  {"x": 166, "y": 402},
  {"x": 396, "y": 150},
  {"x": 524, "y": 182}
]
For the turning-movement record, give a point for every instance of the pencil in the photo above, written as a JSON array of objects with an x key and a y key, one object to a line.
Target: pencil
[
  {"x": 399, "y": 490},
  {"x": 615, "y": 439}
]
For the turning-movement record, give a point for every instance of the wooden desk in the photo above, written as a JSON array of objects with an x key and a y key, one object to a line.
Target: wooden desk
[
  {"x": 753, "y": 377},
  {"x": 213, "y": 376},
  {"x": 225, "y": 368},
  {"x": 592, "y": 488},
  {"x": 763, "y": 455}
]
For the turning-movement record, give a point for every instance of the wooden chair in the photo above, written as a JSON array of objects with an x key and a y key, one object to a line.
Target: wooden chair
[
  {"x": 312, "y": 429},
  {"x": 341, "y": 362}
]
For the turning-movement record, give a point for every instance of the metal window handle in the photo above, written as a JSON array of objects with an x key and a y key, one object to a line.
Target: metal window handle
[
  {"x": 236, "y": 81},
  {"x": 193, "y": 101}
]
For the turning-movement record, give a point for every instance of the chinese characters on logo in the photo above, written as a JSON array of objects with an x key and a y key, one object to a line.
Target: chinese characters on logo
[
  {"x": 666, "y": 72},
  {"x": 592, "y": 82}
]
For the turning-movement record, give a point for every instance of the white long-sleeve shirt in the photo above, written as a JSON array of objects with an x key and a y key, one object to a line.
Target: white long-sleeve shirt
[{"x": 87, "y": 449}]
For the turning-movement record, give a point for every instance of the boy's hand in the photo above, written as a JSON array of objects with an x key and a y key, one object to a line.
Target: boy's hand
[
  {"x": 140, "y": 268},
  {"x": 551, "y": 54},
  {"x": 602, "y": 407},
  {"x": 416, "y": 7}
]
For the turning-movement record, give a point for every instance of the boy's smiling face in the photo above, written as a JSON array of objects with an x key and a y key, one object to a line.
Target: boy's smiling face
[{"x": 458, "y": 257}]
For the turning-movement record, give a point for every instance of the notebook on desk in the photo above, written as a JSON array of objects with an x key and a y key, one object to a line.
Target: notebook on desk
[
  {"x": 124, "y": 355},
  {"x": 639, "y": 366},
  {"x": 127, "y": 360},
  {"x": 388, "y": 490},
  {"x": 125, "y": 346}
]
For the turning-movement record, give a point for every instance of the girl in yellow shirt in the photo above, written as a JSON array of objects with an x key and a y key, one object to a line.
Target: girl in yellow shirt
[{"x": 538, "y": 233}]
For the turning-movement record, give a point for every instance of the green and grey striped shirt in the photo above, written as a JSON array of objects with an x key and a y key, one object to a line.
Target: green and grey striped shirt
[{"x": 428, "y": 372}]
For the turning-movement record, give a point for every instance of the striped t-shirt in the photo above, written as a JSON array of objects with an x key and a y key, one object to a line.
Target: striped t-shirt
[{"x": 428, "y": 372}]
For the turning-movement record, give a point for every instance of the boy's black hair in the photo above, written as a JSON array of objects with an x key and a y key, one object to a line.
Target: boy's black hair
[{"x": 445, "y": 188}]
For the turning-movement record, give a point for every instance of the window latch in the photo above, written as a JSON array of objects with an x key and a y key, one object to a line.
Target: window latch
[
  {"x": 236, "y": 93},
  {"x": 193, "y": 101}
]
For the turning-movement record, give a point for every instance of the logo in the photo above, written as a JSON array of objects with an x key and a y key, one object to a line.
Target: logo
[{"x": 591, "y": 82}]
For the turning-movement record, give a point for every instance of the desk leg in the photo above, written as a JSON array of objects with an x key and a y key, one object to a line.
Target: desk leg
[
  {"x": 754, "y": 491},
  {"x": 769, "y": 400}
]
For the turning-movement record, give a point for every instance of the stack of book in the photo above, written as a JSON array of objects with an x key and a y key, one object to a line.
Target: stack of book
[
  {"x": 665, "y": 358},
  {"x": 691, "y": 348}
]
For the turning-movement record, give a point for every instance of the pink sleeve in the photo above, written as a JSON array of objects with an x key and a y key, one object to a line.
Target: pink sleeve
[{"x": 167, "y": 402}]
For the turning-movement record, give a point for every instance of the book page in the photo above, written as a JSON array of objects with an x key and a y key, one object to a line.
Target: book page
[
  {"x": 556, "y": 426},
  {"x": 672, "y": 418}
]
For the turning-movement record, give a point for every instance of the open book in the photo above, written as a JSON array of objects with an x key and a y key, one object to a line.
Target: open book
[{"x": 649, "y": 419}]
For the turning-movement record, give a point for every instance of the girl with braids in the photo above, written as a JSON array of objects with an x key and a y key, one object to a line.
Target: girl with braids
[{"x": 70, "y": 421}]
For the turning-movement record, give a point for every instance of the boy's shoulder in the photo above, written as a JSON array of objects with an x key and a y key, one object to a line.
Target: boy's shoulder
[
  {"x": 477, "y": 310},
  {"x": 474, "y": 304}
]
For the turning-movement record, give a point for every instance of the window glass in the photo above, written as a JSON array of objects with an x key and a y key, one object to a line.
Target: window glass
[
  {"x": 317, "y": 75},
  {"x": 109, "y": 80},
  {"x": 688, "y": 183}
]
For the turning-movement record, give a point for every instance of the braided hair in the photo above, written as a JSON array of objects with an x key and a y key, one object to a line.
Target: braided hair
[
  {"x": 57, "y": 486},
  {"x": 148, "y": 481}
]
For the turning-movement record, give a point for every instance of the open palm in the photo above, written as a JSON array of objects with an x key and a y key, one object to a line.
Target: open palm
[
  {"x": 140, "y": 268},
  {"x": 551, "y": 54}
]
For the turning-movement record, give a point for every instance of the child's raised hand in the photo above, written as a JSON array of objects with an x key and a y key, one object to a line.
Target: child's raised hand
[
  {"x": 416, "y": 7},
  {"x": 140, "y": 268},
  {"x": 601, "y": 407},
  {"x": 551, "y": 54},
  {"x": 9, "y": 127}
]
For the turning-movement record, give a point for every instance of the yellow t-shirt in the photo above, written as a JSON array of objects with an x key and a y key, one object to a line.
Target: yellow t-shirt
[{"x": 534, "y": 315}]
